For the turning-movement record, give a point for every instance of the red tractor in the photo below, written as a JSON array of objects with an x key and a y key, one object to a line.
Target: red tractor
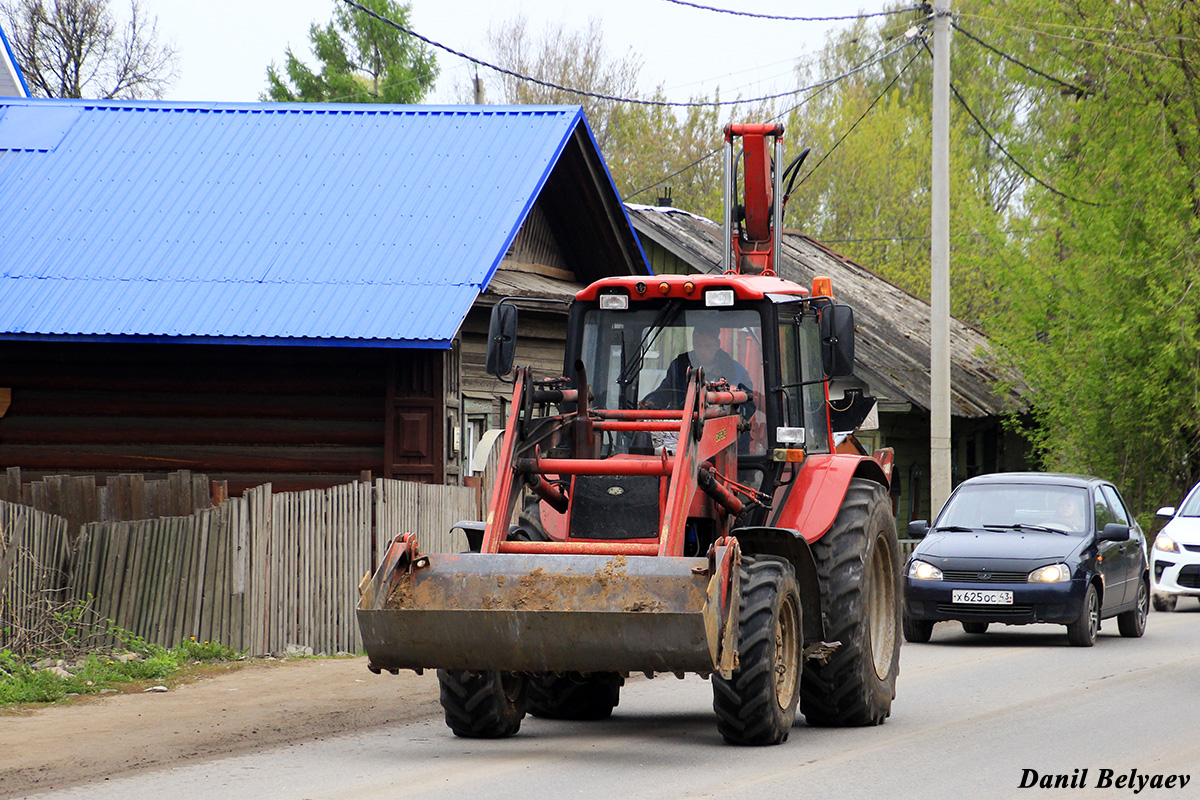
[{"x": 695, "y": 504}]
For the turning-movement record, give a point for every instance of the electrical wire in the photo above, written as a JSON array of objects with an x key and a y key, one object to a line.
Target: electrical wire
[
  {"x": 1013, "y": 159},
  {"x": 816, "y": 90},
  {"x": 596, "y": 95},
  {"x": 861, "y": 117},
  {"x": 1032, "y": 29},
  {"x": 792, "y": 19},
  {"x": 1078, "y": 91}
]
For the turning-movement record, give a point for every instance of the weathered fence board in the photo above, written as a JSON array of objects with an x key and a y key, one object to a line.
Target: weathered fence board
[{"x": 258, "y": 573}]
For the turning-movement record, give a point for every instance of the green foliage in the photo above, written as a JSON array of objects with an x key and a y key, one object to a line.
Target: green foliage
[
  {"x": 362, "y": 60},
  {"x": 25, "y": 680},
  {"x": 1103, "y": 319}
]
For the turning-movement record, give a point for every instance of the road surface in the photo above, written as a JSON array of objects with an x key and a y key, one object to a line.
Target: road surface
[{"x": 975, "y": 716}]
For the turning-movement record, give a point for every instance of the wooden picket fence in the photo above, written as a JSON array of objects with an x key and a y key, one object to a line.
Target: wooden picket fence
[{"x": 258, "y": 573}]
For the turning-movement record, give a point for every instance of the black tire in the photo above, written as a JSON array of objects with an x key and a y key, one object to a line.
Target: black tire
[
  {"x": 757, "y": 705},
  {"x": 917, "y": 630},
  {"x": 529, "y": 521},
  {"x": 1165, "y": 602},
  {"x": 574, "y": 695},
  {"x": 975, "y": 627},
  {"x": 1132, "y": 623},
  {"x": 1082, "y": 632},
  {"x": 858, "y": 565},
  {"x": 482, "y": 705}
]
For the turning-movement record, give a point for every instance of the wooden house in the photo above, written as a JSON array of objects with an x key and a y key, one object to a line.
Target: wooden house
[{"x": 281, "y": 293}]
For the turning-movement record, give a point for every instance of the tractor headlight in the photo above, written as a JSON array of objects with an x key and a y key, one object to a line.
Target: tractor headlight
[
  {"x": 1055, "y": 573},
  {"x": 924, "y": 571}
]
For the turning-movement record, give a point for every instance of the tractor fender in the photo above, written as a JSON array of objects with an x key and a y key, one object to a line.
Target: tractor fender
[
  {"x": 790, "y": 546},
  {"x": 810, "y": 503}
]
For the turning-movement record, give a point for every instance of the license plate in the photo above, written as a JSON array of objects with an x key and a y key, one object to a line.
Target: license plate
[{"x": 981, "y": 597}]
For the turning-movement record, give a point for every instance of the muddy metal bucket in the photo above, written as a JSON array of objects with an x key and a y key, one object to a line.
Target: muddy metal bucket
[{"x": 550, "y": 612}]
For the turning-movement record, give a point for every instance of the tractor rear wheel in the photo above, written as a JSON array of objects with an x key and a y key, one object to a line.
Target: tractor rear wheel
[
  {"x": 482, "y": 705},
  {"x": 858, "y": 566},
  {"x": 574, "y": 695},
  {"x": 757, "y": 705}
]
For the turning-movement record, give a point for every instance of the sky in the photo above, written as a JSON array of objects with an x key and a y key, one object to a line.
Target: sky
[{"x": 224, "y": 46}]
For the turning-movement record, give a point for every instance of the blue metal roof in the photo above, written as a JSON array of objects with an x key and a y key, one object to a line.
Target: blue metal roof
[{"x": 288, "y": 223}]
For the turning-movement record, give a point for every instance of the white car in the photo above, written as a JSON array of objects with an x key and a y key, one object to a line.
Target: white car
[{"x": 1175, "y": 557}]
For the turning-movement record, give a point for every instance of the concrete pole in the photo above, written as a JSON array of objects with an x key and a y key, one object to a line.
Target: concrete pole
[
  {"x": 939, "y": 368},
  {"x": 478, "y": 85}
]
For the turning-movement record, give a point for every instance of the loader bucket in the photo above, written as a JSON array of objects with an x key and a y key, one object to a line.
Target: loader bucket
[{"x": 558, "y": 613}]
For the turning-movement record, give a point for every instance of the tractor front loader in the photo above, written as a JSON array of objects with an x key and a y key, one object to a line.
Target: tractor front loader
[{"x": 665, "y": 508}]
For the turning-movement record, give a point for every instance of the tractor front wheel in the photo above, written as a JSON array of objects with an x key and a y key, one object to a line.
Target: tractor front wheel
[
  {"x": 858, "y": 565},
  {"x": 757, "y": 705},
  {"x": 482, "y": 705}
]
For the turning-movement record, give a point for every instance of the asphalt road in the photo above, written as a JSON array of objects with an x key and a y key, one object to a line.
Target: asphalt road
[{"x": 972, "y": 715}]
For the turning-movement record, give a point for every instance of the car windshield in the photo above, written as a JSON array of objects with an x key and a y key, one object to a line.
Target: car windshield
[
  {"x": 1191, "y": 504},
  {"x": 1016, "y": 507}
]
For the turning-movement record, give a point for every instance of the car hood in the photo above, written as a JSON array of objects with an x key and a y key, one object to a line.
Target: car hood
[
  {"x": 1027, "y": 546},
  {"x": 1185, "y": 530}
]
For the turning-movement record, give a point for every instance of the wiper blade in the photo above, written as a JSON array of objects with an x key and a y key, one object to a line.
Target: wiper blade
[
  {"x": 1024, "y": 526},
  {"x": 953, "y": 528},
  {"x": 664, "y": 318}
]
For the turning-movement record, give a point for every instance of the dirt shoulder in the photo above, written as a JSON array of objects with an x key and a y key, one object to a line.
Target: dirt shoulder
[{"x": 228, "y": 711}]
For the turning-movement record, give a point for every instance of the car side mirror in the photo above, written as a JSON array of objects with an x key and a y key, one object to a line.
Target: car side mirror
[
  {"x": 502, "y": 340},
  {"x": 1166, "y": 512},
  {"x": 1114, "y": 532},
  {"x": 837, "y": 341},
  {"x": 917, "y": 528}
]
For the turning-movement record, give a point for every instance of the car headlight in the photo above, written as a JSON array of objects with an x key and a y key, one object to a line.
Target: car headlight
[
  {"x": 1054, "y": 573},
  {"x": 1165, "y": 543},
  {"x": 924, "y": 571}
]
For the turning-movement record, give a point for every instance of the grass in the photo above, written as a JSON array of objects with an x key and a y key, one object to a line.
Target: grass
[{"x": 21, "y": 682}]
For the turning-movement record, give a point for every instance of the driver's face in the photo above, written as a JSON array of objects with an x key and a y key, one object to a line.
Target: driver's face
[{"x": 705, "y": 345}]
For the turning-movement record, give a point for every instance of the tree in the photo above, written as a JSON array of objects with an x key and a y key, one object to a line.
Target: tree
[
  {"x": 75, "y": 48},
  {"x": 362, "y": 60}
]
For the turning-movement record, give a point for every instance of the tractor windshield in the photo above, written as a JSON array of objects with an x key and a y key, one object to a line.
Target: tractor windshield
[{"x": 639, "y": 358}]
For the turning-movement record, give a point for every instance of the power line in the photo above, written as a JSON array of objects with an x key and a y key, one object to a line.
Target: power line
[
  {"x": 585, "y": 93},
  {"x": 1013, "y": 159},
  {"x": 861, "y": 117},
  {"x": 817, "y": 89},
  {"x": 793, "y": 19},
  {"x": 1079, "y": 92}
]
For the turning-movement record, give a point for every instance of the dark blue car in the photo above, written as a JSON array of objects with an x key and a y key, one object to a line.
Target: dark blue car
[{"x": 1025, "y": 547}]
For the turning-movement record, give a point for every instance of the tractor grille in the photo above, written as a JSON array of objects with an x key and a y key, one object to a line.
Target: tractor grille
[
  {"x": 988, "y": 611},
  {"x": 978, "y": 576},
  {"x": 1189, "y": 576},
  {"x": 615, "y": 507}
]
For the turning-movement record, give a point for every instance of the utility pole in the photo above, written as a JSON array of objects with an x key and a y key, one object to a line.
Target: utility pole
[
  {"x": 478, "y": 85},
  {"x": 939, "y": 368}
]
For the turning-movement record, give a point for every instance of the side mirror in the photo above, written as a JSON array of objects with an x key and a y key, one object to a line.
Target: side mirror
[
  {"x": 837, "y": 341},
  {"x": 1114, "y": 532},
  {"x": 917, "y": 528},
  {"x": 502, "y": 340},
  {"x": 1166, "y": 512}
]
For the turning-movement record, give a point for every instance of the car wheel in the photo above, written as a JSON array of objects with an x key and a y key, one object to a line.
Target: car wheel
[
  {"x": 1082, "y": 632},
  {"x": 975, "y": 627},
  {"x": 917, "y": 630},
  {"x": 1165, "y": 602},
  {"x": 1132, "y": 624}
]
